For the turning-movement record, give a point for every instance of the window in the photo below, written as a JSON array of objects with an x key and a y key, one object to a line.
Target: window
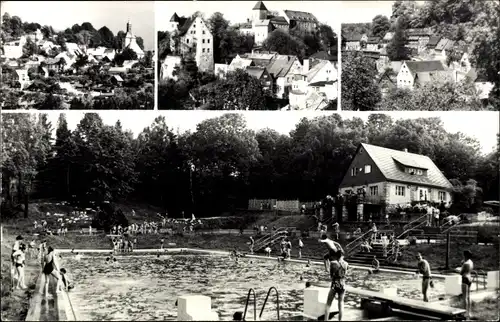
[
  {"x": 419, "y": 172},
  {"x": 208, "y": 50},
  {"x": 203, "y": 41},
  {"x": 374, "y": 191},
  {"x": 203, "y": 50},
  {"x": 353, "y": 172},
  {"x": 203, "y": 32},
  {"x": 208, "y": 41},
  {"x": 400, "y": 191},
  {"x": 368, "y": 168},
  {"x": 187, "y": 41},
  {"x": 442, "y": 196}
]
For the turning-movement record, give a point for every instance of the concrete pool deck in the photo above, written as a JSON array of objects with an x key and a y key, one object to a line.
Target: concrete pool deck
[{"x": 227, "y": 253}]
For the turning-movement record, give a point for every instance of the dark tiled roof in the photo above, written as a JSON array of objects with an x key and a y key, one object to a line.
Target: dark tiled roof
[
  {"x": 183, "y": 29},
  {"x": 433, "y": 41},
  {"x": 301, "y": 16},
  {"x": 386, "y": 160},
  {"x": 255, "y": 71},
  {"x": 323, "y": 55},
  {"x": 259, "y": 6},
  {"x": 353, "y": 37},
  {"x": 418, "y": 32},
  {"x": 373, "y": 40},
  {"x": 280, "y": 66},
  {"x": 322, "y": 83},
  {"x": 175, "y": 18},
  {"x": 445, "y": 44},
  {"x": 424, "y": 66},
  {"x": 279, "y": 20}
]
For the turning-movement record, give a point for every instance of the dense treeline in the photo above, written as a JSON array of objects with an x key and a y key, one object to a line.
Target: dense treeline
[{"x": 223, "y": 163}]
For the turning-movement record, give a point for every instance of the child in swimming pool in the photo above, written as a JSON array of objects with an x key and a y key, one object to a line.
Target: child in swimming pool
[{"x": 66, "y": 284}]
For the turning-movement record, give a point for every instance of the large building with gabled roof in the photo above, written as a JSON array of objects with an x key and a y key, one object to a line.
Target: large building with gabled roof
[
  {"x": 263, "y": 22},
  {"x": 194, "y": 39},
  {"x": 394, "y": 177}
]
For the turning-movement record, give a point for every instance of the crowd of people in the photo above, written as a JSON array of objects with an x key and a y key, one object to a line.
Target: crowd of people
[{"x": 47, "y": 260}]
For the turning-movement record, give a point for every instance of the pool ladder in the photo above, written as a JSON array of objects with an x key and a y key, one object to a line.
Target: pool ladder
[{"x": 252, "y": 291}]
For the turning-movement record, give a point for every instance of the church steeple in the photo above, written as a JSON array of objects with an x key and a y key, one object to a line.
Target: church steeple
[{"x": 129, "y": 26}]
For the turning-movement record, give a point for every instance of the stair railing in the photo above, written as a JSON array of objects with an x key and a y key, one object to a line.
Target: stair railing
[
  {"x": 475, "y": 277},
  {"x": 358, "y": 239},
  {"x": 250, "y": 291},
  {"x": 269, "y": 235},
  {"x": 420, "y": 219},
  {"x": 411, "y": 228},
  {"x": 269, "y": 239},
  {"x": 277, "y": 302}
]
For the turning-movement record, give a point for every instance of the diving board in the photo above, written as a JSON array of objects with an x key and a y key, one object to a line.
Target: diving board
[{"x": 409, "y": 305}]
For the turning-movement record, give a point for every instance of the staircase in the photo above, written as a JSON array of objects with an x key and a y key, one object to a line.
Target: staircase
[
  {"x": 361, "y": 258},
  {"x": 270, "y": 238}
]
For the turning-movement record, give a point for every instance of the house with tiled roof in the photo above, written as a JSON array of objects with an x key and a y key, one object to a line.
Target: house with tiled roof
[
  {"x": 300, "y": 19},
  {"x": 387, "y": 38},
  {"x": 261, "y": 73},
  {"x": 373, "y": 44},
  {"x": 443, "y": 47},
  {"x": 481, "y": 83},
  {"x": 420, "y": 72},
  {"x": 418, "y": 38},
  {"x": 394, "y": 177},
  {"x": 240, "y": 63},
  {"x": 283, "y": 68},
  {"x": 354, "y": 41},
  {"x": 195, "y": 39},
  {"x": 433, "y": 41}
]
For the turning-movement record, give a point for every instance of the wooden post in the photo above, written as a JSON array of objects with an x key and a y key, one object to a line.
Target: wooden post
[{"x": 448, "y": 237}]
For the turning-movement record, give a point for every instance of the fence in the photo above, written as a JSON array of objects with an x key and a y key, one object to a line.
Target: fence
[{"x": 260, "y": 204}]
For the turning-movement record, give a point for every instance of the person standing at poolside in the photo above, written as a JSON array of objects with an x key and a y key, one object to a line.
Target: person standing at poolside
[
  {"x": 425, "y": 269},
  {"x": 336, "y": 230},
  {"x": 466, "y": 272},
  {"x": 252, "y": 242},
  {"x": 332, "y": 247},
  {"x": 338, "y": 269},
  {"x": 19, "y": 263},
  {"x": 49, "y": 269},
  {"x": 161, "y": 244},
  {"x": 301, "y": 245}
]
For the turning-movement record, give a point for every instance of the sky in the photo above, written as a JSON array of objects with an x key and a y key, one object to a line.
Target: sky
[
  {"x": 483, "y": 126},
  {"x": 112, "y": 14},
  {"x": 238, "y": 11},
  {"x": 365, "y": 11}
]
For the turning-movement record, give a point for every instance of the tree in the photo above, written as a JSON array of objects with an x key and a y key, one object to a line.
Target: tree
[
  {"x": 87, "y": 26},
  {"x": 284, "y": 44},
  {"x": 239, "y": 91},
  {"x": 164, "y": 42},
  {"x": 24, "y": 151},
  {"x": 29, "y": 48},
  {"x": 380, "y": 26},
  {"x": 128, "y": 54},
  {"x": 397, "y": 50},
  {"x": 140, "y": 42},
  {"x": 359, "y": 91},
  {"x": 120, "y": 40},
  {"x": 107, "y": 37},
  {"x": 81, "y": 61},
  {"x": 437, "y": 96},
  {"x": 222, "y": 44}
]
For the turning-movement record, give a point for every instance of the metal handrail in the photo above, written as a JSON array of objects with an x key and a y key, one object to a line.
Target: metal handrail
[
  {"x": 410, "y": 229},
  {"x": 405, "y": 227},
  {"x": 269, "y": 239},
  {"x": 267, "y": 236},
  {"x": 483, "y": 273},
  {"x": 357, "y": 239},
  {"x": 254, "y": 305},
  {"x": 277, "y": 302}
]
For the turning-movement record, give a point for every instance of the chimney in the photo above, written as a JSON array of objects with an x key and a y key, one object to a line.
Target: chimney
[
  {"x": 305, "y": 68},
  {"x": 248, "y": 19},
  {"x": 405, "y": 150}
]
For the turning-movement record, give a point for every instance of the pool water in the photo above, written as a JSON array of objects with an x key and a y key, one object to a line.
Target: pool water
[{"x": 147, "y": 287}]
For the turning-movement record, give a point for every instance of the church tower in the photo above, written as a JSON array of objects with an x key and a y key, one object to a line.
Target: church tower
[
  {"x": 259, "y": 11},
  {"x": 129, "y": 27}
]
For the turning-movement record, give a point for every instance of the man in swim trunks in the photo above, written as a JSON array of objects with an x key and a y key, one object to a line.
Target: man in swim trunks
[
  {"x": 466, "y": 272},
  {"x": 332, "y": 246},
  {"x": 425, "y": 269}
]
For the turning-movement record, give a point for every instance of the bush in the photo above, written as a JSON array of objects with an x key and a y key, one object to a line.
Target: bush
[
  {"x": 108, "y": 217},
  {"x": 488, "y": 234}
]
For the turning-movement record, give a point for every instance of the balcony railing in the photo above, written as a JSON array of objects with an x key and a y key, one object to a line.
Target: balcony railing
[{"x": 371, "y": 199}]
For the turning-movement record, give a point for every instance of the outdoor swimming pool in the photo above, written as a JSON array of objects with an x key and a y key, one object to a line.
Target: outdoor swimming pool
[{"x": 146, "y": 287}]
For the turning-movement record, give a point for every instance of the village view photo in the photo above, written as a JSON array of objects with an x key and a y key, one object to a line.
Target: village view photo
[{"x": 94, "y": 55}]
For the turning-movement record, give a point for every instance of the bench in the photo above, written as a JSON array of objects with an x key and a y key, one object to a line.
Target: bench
[{"x": 409, "y": 305}]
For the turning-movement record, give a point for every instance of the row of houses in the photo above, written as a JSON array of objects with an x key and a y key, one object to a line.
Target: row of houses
[{"x": 309, "y": 84}]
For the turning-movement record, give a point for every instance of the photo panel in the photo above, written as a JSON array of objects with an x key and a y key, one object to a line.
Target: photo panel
[
  {"x": 95, "y": 55},
  {"x": 155, "y": 212},
  {"x": 240, "y": 55},
  {"x": 420, "y": 55}
]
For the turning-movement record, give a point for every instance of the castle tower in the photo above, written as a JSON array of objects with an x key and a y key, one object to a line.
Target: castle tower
[{"x": 259, "y": 11}]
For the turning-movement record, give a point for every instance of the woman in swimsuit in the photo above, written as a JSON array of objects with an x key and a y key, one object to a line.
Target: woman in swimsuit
[
  {"x": 338, "y": 270},
  {"x": 466, "y": 273},
  {"x": 50, "y": 268}
]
